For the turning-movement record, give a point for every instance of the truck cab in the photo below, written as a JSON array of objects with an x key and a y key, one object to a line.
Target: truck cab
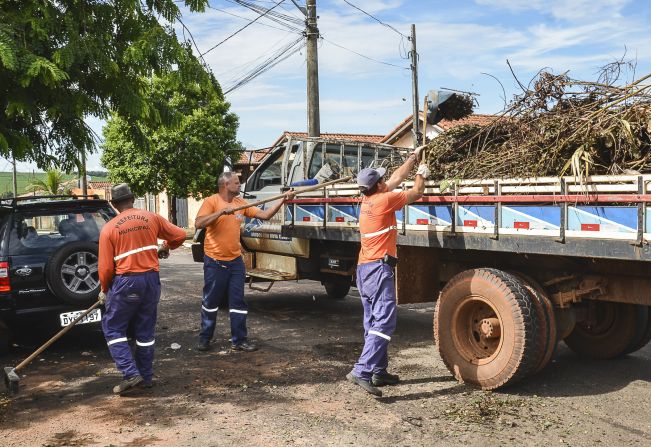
[{"x": 293, "y": 162}]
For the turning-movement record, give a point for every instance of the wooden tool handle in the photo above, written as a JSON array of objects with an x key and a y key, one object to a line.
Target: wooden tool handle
[
  {"x": 296, "y": 192},
  {"x": 57, "y": 336}
]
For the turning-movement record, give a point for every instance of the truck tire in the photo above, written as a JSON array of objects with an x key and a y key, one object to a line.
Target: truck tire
[
  {"x": 71, "y": 273},
  {"x": 643, "y": 333},
  {"x": 485, "y": 328},
  {"x": 546, "y": 321},
  {"x": 607, "y": 334},
  {"x": 337, "y": 287}
]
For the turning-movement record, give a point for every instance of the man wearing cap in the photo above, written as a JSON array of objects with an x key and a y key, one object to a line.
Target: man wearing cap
[
  {"x": 375, "y": 269},
  {"x": 223, "y": 268},
  {"x": 128, "y": 273}
]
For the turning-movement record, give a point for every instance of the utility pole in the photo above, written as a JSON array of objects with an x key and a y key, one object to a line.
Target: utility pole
[
  {"x": 312, "y": 34},
  {"x": 414, "y": 87},
  {"x": 82, "y": 172},
  {"x": 14, "y": 177}
]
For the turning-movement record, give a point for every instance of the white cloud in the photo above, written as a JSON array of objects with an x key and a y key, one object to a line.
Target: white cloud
[{"x": 571, "y": 10}]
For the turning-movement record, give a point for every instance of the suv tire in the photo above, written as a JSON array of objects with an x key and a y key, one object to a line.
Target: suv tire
[{"x": 72, "y": 273}]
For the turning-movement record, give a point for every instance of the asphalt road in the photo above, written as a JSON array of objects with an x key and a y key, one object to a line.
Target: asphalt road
[{"x": 293, "y": 390}]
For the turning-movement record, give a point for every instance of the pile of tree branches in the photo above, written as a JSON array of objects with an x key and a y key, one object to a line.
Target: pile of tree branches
[{"x": 557, "y": 126}]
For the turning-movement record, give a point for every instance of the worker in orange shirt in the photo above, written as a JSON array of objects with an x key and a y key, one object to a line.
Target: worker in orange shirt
[
  {"x": 223, "y": 268},
  {"x": 128, "y": 273},
  {"x": 375, "y": 268}
]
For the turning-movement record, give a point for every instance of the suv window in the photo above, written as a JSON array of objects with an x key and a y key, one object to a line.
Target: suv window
[{"x": 44, "y": 231}]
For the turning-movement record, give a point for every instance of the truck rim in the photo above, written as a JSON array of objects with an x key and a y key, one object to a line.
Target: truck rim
[{"x": 476, "y": 330}]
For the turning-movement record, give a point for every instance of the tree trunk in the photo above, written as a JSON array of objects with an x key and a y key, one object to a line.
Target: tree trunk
[{"x": 172, "y": 200}]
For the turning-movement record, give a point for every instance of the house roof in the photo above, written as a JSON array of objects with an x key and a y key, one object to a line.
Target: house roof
[
  {"x": 253, "y": 157},
  {"x": 406, "y": 124},
  {"x": 100, "y": 185},
  {"x": 366, "y": 138}
]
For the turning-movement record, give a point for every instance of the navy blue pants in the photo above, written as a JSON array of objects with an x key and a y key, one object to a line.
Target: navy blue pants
[
  {"x": 375, "y": 283},
  {"x": 223, "y": 285},
  {"x": 132, "y": 299}
]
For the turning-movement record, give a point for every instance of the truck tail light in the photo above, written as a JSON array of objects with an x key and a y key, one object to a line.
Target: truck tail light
[{"x": 5, "y": 286}]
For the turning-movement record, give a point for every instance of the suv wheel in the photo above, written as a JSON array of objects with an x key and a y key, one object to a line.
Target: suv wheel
[{"x": 72, "y": 273}]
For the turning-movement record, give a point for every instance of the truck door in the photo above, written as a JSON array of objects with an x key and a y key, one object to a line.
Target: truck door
[{"x": 265, "y": 182}]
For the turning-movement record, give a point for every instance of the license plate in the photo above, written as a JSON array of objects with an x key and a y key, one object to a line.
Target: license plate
[{"x": 69, "y": 317}]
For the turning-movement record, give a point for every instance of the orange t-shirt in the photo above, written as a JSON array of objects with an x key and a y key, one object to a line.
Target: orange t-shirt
[
  {"x": 222, "y": 240},
  {"x": 130, "y": 230},
  {"x": 377, "y": 213}
]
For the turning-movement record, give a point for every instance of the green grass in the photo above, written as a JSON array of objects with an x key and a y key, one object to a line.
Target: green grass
[{"x": 25, "y": 178}]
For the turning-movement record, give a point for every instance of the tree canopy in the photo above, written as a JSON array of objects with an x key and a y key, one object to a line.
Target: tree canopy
[
  {"x": 182, "y": 158},
  {"x": 62, "y": 61}
]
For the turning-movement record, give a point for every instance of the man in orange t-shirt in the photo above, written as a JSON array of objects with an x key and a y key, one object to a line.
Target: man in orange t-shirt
[
  {"x": 223, "y": 267},
  {"x": 128, "y": 272},
  {"x": 377, "y": 259}
]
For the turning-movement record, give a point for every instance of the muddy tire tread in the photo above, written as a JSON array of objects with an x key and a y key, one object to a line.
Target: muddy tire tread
[{"x": 524, "y": 317}]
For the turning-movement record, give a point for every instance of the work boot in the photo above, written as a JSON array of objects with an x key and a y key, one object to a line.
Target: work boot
[
  {"x": 147, "y": 384},
  {"x": 385, "y": 378},
  {"x": 244, "y": 346},
  {"x": 364, "y": 384},
  {"x": 127, "y": 384},
  {"x": 203, "y": 346}
]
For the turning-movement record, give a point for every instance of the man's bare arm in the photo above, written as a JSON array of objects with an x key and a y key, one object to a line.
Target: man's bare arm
[
  {"x": 273, "y": 209},
  {"x": 204, "y": 221},
  {"x": 400, "y": 174}
]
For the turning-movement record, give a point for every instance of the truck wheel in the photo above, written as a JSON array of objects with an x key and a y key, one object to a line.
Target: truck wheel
[
  {"x": 548, "y": 339},
  {"x": 643, "y": 333},
  {"x": 607, "y": 332},
  {"x": 337, "y": 287},
  {"x": 485, "y": 328}
]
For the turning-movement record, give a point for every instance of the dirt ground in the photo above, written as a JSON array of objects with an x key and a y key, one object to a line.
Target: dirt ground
[{"x": 293, "y": 390}]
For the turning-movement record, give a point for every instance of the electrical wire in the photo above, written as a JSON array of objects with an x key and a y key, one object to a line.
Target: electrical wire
[
  {"x": 376, "y": 19},
  {"x": 241, "y": 29},
  {"x": 251, "y": 20},
  {"x": 364, "y": 56},
  {"x": 285, "y": 20},
  {"x": 275, "y": 59}
]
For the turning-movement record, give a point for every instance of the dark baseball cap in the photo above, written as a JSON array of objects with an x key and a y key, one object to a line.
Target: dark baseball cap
[{"x": 368, "y": 177}]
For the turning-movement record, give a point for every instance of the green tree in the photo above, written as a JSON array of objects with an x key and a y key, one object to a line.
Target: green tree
[
  {"x": 62, "y": 61},
  {"x": 183, "y": 158},
  {"x": 54, "y": 183}
]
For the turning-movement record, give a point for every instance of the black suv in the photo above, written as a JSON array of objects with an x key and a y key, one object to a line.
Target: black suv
[{"x": 48, "y": 259}]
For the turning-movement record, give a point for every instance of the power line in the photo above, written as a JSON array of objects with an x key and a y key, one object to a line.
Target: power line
[
  {"x": 251, "y": 20},
  {"x": 376, "y": 19},
  {"x": 285, "y": 20},
  {"x": 243, "y": 28},
  {"x": 364, "y": 56},
  {"x": 280, "y": 55}
]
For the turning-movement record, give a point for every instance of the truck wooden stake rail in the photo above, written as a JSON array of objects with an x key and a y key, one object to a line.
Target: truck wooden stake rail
[{"x": 515, "y": 265}]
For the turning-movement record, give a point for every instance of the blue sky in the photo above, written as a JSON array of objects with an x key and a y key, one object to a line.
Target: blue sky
[{"x": 458, "y": 41}]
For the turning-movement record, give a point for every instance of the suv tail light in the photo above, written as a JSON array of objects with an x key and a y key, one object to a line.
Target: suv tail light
[{"x": 5, "y": 285}]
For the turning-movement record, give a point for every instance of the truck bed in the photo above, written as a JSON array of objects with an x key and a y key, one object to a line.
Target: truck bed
[{"x": 599, "y": 217}]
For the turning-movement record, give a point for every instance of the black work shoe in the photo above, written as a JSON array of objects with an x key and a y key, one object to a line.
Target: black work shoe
[
  {"x": 203, "y": 346},
  {"x": 127, "y": 384},
  {"x": 364, "y": 384},
  {"x": 147, "y": 384},
  {"x": 385, "y": 378},
  {"x": 244, "y": 346}
]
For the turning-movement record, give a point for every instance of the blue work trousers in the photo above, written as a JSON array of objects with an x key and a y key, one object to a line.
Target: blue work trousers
[
  {"x": 375, "y": 282},
  {"x": 132, "y": 299},
  {"x": 223, "y": 287}
]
